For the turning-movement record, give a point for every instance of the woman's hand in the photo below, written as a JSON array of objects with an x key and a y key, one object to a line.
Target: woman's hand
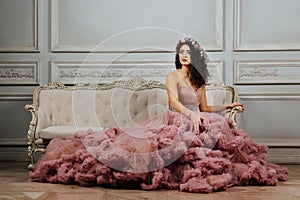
[
  {"x": 232, "y": 105},
  {"x": 197, "y": 121}
]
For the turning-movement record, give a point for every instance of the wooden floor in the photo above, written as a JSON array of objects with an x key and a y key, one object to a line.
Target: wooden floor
[{"x": 14, "y": 184}]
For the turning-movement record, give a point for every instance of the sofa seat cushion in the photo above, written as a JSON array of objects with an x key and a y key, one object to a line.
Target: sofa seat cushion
[{"x": 65, "y": 131}]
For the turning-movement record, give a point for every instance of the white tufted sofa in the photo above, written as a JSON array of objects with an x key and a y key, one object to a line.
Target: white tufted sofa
[{"x": 60, "y": 111}]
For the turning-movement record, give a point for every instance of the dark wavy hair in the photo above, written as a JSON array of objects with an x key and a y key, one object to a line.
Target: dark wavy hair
[{"x": 198, "y": 72}]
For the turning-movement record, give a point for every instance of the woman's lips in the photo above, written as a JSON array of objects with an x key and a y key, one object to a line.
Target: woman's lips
[{"x": 184, "y": 60}]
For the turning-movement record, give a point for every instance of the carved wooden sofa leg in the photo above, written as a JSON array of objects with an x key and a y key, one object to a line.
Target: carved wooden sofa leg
[
  {"x": 30, "y": 154},
  {"x": 30, "y": 136}
]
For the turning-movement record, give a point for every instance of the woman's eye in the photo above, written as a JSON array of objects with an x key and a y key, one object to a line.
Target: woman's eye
[{"x": 185, "y": 52}]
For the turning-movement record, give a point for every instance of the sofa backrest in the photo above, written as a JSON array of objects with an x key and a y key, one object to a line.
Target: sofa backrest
[
  {"x": 218, "y": 94},
  {"x": 98, "y": 105},
  {"x": 121, "y": 103}
]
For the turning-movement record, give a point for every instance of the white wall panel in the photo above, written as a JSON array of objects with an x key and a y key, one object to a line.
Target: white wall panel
[
  {"x": 122, "y": 26},
  {"x": 272, "y": 117},
  {"x": 14, "y": 126},
  {"x": 267, "y": 25},
  {"x": 19, "y": 26}
]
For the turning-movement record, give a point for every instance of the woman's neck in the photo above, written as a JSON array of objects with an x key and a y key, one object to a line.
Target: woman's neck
[{"x": 185, "y": 71}]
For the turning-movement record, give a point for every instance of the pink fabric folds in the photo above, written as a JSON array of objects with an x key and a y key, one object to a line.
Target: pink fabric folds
[{"x": 161, "y": 153}]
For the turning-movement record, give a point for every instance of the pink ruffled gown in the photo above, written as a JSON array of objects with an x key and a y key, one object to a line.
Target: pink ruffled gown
[{"x": 162, "y": 152}]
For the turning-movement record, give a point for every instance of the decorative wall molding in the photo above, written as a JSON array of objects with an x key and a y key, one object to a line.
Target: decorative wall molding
[
  {"x": 15, "y": 97},
  {"x": 19, "y": 72},
  {"x": 278, "y": 142},
  {"x": 253, "y": 31},
  {"x": 258, "y": 72},
  {"x": 35, "y": 37},
  {"x": 13, "y": 141},
  {"x": 266, "y": 72},
  {"x": 137, "y": 36},
  {"x": 71, "y": 72}
]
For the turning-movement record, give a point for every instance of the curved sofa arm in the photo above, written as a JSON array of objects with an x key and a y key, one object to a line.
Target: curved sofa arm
[
  {"x": 233, "y": 112},
  {"x": 30, "y": 108}
]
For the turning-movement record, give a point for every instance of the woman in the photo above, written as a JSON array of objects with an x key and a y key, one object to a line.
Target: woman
[
  {"x": 191, "y": 73},
  {"x": 189, "y": 148}
]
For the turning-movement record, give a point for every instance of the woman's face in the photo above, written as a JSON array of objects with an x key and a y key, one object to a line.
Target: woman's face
[{"x": 185, "y": 55}]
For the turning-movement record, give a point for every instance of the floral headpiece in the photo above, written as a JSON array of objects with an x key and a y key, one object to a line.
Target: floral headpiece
[{"x": 196, "y": 45}]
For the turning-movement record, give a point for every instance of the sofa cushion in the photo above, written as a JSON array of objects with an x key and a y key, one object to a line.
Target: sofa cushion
[{"x": 65, "y": 131}]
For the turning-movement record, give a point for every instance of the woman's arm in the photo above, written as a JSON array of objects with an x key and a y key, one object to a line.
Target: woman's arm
[
  {"x": 171, "y": 84},
  {"x": 206, "y": 108}
]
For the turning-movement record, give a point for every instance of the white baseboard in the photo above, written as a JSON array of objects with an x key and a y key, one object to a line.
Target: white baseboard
[
  {"x": 13, "y": 154},
  {"x": 282, "y": 150},
  {"x": 284, "y": 155}
]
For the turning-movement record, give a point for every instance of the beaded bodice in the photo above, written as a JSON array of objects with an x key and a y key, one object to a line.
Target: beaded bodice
[{"x": 189, "y": 97}]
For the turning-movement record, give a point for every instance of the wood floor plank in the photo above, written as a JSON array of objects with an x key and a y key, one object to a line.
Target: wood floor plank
[{"x": 15, "y": 184}]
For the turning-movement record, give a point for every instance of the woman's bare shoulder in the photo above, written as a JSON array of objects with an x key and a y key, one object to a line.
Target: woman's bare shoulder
[
  {"x": 170, "y": 75},
  {"x": 172, "y": 78},
  {"x": 173, "y": 74}
]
